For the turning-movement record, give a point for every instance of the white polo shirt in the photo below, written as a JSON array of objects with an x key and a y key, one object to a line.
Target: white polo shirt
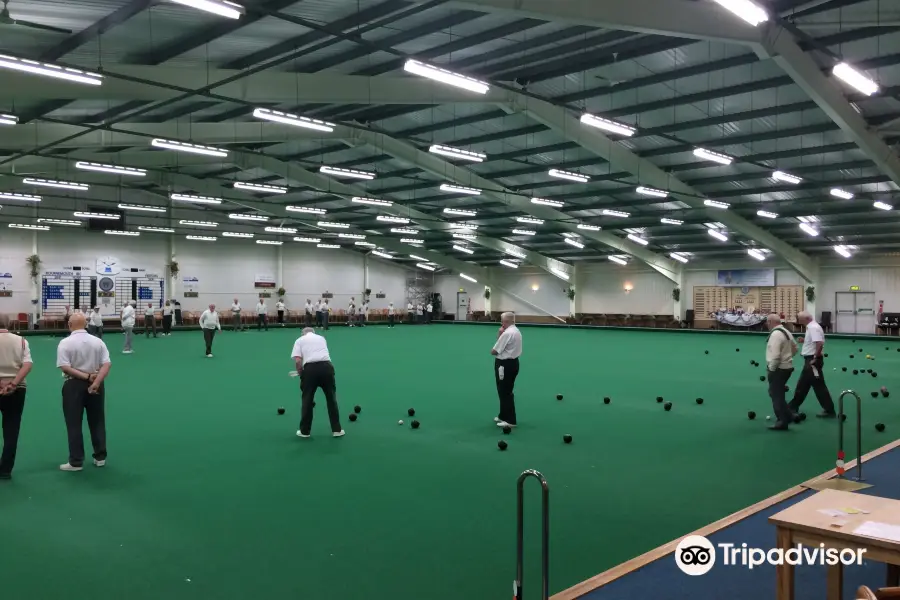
[
  {"x": 391, "y": 309},
  {"x": 322, "y": 307},
  {"x": 409, "y": 307},
  {"x": 14, "y": 353},
  {"x": 83, "y": 352},
  {"x": 167, "y": 310},
  {"x": 814, "y": 333},
  {"x": 309, "y": 308},
  {"x": 149, "y": 312},
  {"x": 279, "y": 305},
  {"x": 509, "y": 344},
  {"x": 312, "y": 348},
  {"x": 236, "y": 308},
  {"x": 261, "y": 308},
  {"x": 128, "y": 316},
  {"x": 428, "y": 308},
  {"x": 351, "y": 309},
  {"x": 96, "y": 319},
  {"x": 210, "y": 320}
]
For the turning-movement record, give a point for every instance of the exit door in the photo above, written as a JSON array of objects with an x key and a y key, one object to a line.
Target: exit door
[
  {"x": 855, "y": 312},
  {"x": 462, "y": 306}
]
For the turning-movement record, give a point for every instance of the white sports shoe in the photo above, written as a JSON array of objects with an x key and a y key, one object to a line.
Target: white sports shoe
[
  {"x": 496, "y": 419},
  {"x": 68, "y": 467},
  {"x": 209, "y": 356},
  {"x": 504, "y": 424},
  {"x": 127, "y": 351},
  {"x": 338, "y": 433},
  {"x": 99, "y": 463},
  {"x": 301, "y": 435}
]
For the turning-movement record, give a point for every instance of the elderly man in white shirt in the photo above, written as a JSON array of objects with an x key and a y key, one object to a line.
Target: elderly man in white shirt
[
  {"x": 313, "y": 364},
  {"x": 420, "y": 318},
  {"x": 780, "y": 351},
  {"x": 262, "y": 315},
  {"x": 506, "y": 354},
  {"x": 326, "y": 313},
  {"x": 813, "y": 373},
  {"x": 428, "y": 308},
  {"x": 391, "y": 315},
  {"x": 209, "y": 323},
  {"x": 15, "y": 364},
  {"x": 128, "y": 325},
  {"x": 150, "y": 320},
  {"x": 410, "y": 312},
  {"x": 308, "y": 313},
  {"x": 279, "y": 310},
  {"x": 95, "y": 320},
  {"x": 236, "y": 323},
  {"x": 351, "y": 312},
  {"x": 84, "y": 361}
]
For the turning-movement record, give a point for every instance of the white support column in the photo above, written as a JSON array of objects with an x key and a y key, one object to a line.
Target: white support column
[
  {"x": 810, "y": 304},
  {"x": 575, "y": 303},
  {"x": 35, "y": 281},
  {"x": 678, "y": 305},
  {"x": 280, "y": 267},
  {"x": 488, "y": 307},
  {"x": 172, "y": 291},
  {"x": 365, "y": 273}
]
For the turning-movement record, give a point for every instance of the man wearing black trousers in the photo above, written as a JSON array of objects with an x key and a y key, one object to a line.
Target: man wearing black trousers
[
  {"x": 15, "y": 364},
  {"x": 314, "y": 367},
  {"x": 150, "y": 320},
  {"x": 209, "y": 323},
  {"x": 506, "y": 354},
  {"x": 780, "y": 350},
  {"x": 813, "y": 373},
  {"x": 262, "y": 315},
  {"x": 84, "y": 360}
]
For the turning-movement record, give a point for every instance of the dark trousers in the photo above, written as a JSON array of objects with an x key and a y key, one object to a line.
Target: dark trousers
[
  {"x": 777, "y": 380},
  {"x": 281, "y": 317},
  {"x": 262, "y": 320},
  {"x": 208, "y": 335},
  {"x": 76, "y": 402},
  {"x": 410, "y": 315},
  {"x": 96, "y": 331},
  {"x": 505, "y": 388},
  {"x": 236, "y": 323},
  {"x": 150, "y": 323},
  {"x": 167, "y": 324},
  {"x": 325, "y": 319},
  {"x": 808, "y": 380},
  {"x": 390, "y": 320},
  {"x": 11, "y": 409},
  {"x": 314, "y": 376},
  {"x": 308, "y": 320}
]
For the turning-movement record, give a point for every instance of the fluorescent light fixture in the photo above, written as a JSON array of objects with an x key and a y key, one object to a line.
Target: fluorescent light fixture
[
  {"x": 716, "y": 204},
  {"x": 465, "y": 236},
  {"x": 587, "y": 227},
  {"x": 646, "y": 191},
  {"x": 412, "y": 241},
  {"x": 444, "y": 76},
  {"x": 463, "y": 249},
  {"x": 465, "y": 226},
  {"x": 9, "y": 119},
  {"x": 746, "y": 10},
  {"x": 328, "y": 246},
  {"x": 523, "y": 232},
  {"x": 637, "y": 239},
  {"x": 19, "y": 197},
  {"x": 530, "y": 220},
  {"x": 573, "y": 242},
  {"x": 515, "y": 253},
  {"x": 392, "y": 219},
  {"x": 842, "y": 194},
  {"x": 615, "y": 213},
  {"x": 854, "y": 79},
  {"x": 333, "y": 224},
  {"x": 882, "y": 206},
  {"x": 198, "y": 223},
  {"x": 194, "y": 199},
  {"x": 618, "y": 260},
  {"x": 54, "y": 183},
  {"x": 404, "y": 230},
  {"x": 457, "y": 153},
  {"x": 372, "y": 201},
  {"x": 843, "y": 251},
  {"x": 607, "y": 125},
  {"x": 126, "y": 233},
  {"x": 155, "y": 229},
  {"x": 217, "y": 7},
  {"x": 757, "y": 254},
  {"x": 237, "y": 234},
  {"x": 560, "y": 274},
  {"x": 668, "y": 221},
  {"x": 568, "y": 175},
  {"x": 717, "y": 234},
  {"x": 142, "y": 208},
  {"x": 114, "y": 169},
  {"x": 31, "y": 227},
  {"x": 289, "y": 119},
  {"x": 307, "y": 240},
  {"x": 460, "y": 212},
  {"x": 201, "y": 238},
  {"x": 546, "y": 202},
  {"x": 382, "y": 254},
  {"x": 305, "y": 209},
  {"x": 366, "y": 244},
  {"x": 350, "y": 173},
  {"x": 767, "y": 214},
  {"x": 270, "y": 242},
  {"x": 186, "y": 147},
  {"x": 509, "y": 263},
  {"x": 245, "y": 217},
  {"x": 424, "y": 266},
  {"x": 786, "y": 177},
  {"x": 352, "y": 236},
  {"x": 49, "y": 70},
  {"x": 466, "y": 277},
  {"x": 458, "y": 189},
  {"x": 809, "y": 229},
  {"x": 62, "y": 222},
  {"x": 96, "y": 215},
  {"x": 281, "y": 230},
  {"x": 722, "y": 159},
  {"x": 679, "y": 257},
  {"x": 259, "y": 187},
  {"x": 414, "y": 257}
]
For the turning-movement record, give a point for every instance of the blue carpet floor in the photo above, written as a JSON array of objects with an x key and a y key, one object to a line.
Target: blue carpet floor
[{"x": 740, "y": 583}]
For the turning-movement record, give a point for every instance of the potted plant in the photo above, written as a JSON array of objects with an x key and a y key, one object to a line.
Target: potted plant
[
  {"x": 173, "y": 268},
  {"x": 368, "y": 292},
  {"x": 811, "y": 294},
  {"x": 676, "y": 294},
  {"x": 487, "y": 293},
  {"x": 570, "y": 293},
  {"x": 281, "y": 292},
  {"x": 34, "y": 265}
]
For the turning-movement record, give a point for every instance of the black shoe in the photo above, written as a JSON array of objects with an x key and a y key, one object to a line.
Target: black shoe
[
  {"x": 826, "y": 415},
  {"x": 778, "y": 427},
  {"x": 5, "y": 475}
]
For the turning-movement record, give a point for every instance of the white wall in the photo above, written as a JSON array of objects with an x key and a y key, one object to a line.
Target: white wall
[
  {"x": 602, "y": 290},
  {"x": 515, "y": 291},
  {"x": 448, "y": 285},
  {"x": 884, "y": 281}
]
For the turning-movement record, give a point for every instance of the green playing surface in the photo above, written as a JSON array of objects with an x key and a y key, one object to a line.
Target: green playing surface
[{"x": 208, "y": 493}]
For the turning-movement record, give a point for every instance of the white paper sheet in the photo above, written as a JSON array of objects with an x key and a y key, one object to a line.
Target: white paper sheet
[{"x": 882, "y": 531}]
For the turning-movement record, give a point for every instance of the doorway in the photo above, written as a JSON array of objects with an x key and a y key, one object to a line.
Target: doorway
[
  {"x": 462, "y": 306},
  {"x": 855, "y": 312}
]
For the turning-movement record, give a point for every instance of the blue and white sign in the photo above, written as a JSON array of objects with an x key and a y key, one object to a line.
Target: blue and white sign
[
  {"x": 6, "y": 285},
  {"x": 747, "y": 278}
]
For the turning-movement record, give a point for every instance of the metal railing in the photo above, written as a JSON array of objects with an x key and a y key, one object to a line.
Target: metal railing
[
  {"x": 520, "y": 534},
  {"x": 841, "y": 418}
]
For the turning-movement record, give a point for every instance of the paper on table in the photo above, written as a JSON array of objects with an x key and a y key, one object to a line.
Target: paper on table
[
  {"x": 882, "y": 531},
  {"x": 832, "y": 512}
]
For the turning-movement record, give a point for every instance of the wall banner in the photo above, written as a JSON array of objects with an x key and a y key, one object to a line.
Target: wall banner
[{"x": 747, "y": 278}]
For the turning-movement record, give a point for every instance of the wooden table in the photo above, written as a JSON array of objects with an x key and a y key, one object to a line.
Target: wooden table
[{"x": 802, "y": 523}]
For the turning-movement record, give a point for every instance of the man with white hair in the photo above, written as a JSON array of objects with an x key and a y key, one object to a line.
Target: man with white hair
[
  {"x": 506, "y": 354},
  {"x": 780, "y": 351},
  {"x": 15, "y": 364},
  {"x": 128, "y": 325},
  {"x": 314, "y": 367},
  {"x": 209, "y": 323},
  {"x": 813, "y": 373},
  {"x": 236, "y": 323}
]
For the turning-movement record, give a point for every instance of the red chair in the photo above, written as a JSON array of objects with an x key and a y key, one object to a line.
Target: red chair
[{"x": 17, "y": 323}]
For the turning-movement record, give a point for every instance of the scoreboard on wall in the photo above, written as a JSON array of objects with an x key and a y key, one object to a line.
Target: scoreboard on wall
[
  {"x": 782, "y": 299},
  {"x": 107, "y": 285}
]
